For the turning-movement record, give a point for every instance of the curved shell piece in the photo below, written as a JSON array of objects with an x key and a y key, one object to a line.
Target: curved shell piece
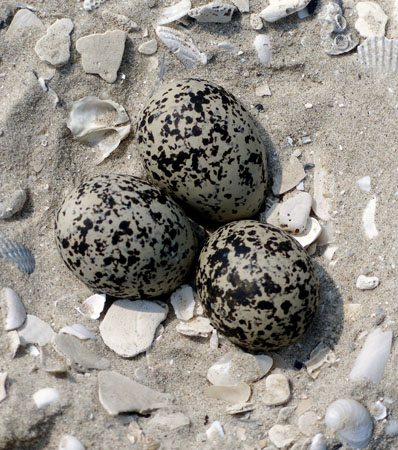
[
  {"x": 277, "y": 9},
  {"x": 371, "y": 19},
  {"x": 174, "y": 12},
  {"x": 16, "y": 313},
  {"x": 16, "y": 253},
  {"x": 379, "y": 53},
  {"x": 342, "y": 43},
  {"x": 12, "y": 204},
  {"x": 351, "y": 422},
  {"x": 213, "y": 13}
]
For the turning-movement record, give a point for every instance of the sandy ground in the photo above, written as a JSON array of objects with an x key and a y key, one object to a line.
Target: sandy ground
[{"x": 353, "y": 129}]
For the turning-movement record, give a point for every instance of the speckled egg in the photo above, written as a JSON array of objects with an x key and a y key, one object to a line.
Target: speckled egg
[
  {"x": 123, "y": 237},
  {"x": 258, "y": 286},
  {"x": 200, "y": 145}
]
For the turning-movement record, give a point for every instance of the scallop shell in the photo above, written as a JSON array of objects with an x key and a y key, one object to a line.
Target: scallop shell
[
  {"x": 174, "y": 12},
  {"x": 379, "y": 53},
  {"x": 16, "y": 253},
  {"x": 351, "y": 422}
]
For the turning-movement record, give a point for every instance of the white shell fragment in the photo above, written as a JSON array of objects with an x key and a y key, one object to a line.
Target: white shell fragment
[
  {"x": 391, "y": 428},
  {"x": 307, "y": 423},
  {"x": 240, "y": 408},
  {"x": 12, "y": 203},
  {"x": 102, "y": 53},
  {"x": 283, "y": 436},
  {"x": 368, "y": 219},
  {"x": 99, "y": 123},
  {"x": 238, "y": 393},
  {"x": 365, "y": 283},
  {"x": 183, "y": 302},
  {"x": 69, "y": 442},
  {"x": 371, "y": 19},
  {"x": 373, "y": 357},
  {"x": 318, "y": 443},
  {"x": 213, "y": 13},
  {"x": 379, "y": 53},
  {"x": 262, "y": 44},
  {"x": 23, "y": 20},
  {"x": 381, "y": 411},
  {"x": 3, "y": 380},
  {"x": 93, "y": 306},
  {"x": 364, "y": 183},
  {"x": 35, "y": 331},
  {"x": 215, "y": 431},
  {"x": 310, "y": 234},
  {"x": 148, "y": 47},
  {"x": 45, "y": 397},
  {"x": 319, "y": 356},
  {"x": 323, "y": 193},
  {"x": 181, "y": 45},
  {"x": 242, "y": 5},
  {"x": 288, "y": 177},
  {"x": 351, "y": 422},
  {"x": 79, "y": 331},
  {"x": 53, "y": 47},
  {"x": 17, "y": 253},
  {"x": 256, "y": 22},
  {"x": 237, "y": 366},
  {"x": 278, "y": 9},
  {"x": 129, "y": 327},
  {"x": 162, "y": 420},
  {"x": 294, "y": 212},
  {"x": 198, "y": 326},
  {"x": 51, "y": 362},
  {"x": 263, "y": 90},
  {"x": 174, "y": 12},
  {"x": 16, "y": 313},
  {"x": 277, "y": 390},
  {"x": 119, "y": 394}
]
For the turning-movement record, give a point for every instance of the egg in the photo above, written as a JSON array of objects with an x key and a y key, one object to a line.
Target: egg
[
  {"x": 200, "y": 145},
  {"x": 123, "y": 237},
  {"x": 257, "y": 285}
]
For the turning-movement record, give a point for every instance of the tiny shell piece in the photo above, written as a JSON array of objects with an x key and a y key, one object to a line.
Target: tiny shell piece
[
  {"x": 373, "y": 357},
  {"x": 368, "y": 219},
  {"x": 371, "y": 19},
  {"x": 310, "y": 234},
  {"x": 294, "y": 212},
  {"x": 12, "y": 204},
  {"x": 168, "y": 421},
  {"x": 277, "y": 9},
  {"x": 238, "y": 393},
  {"x": 320, "y": 355},
  {"x": 181, "y": 45},
  {"x": 277, "y": 390},
  {"x": 318, "y": 443},
  {"x": 148, "y": 47},
  {"x": 198, "y": 326},
  {"x": 307, "y": 423},
  {"x": 93, "y": 306},
  {"x": 213, "y": 13},
  {"x": 79, "y": 331},
  {"x": 262, "y": 44},
  {"x": 17, "y": 253},
  {"x": 240, "y": 408},
  {"x": 255, "y": 22},
  {"x": 183, "y": 302},
  {"x": 174, "y": 12},
  {"x": 381, "y": 411},
  {"x": 16, "y": 313},
  {"x": 379, "y": 53},
  {"x": 364, "y": 282},
  {"x": 364, "y": 183},
  {"x": 289, "y": 177},
  {"x": 69, "y": 442},
  {"x": 35, "y": 331},
  {"x": 3, "y": 380},
  {"x": 242, "y": 5},
  {"x": 341, "y": 43},
  {"x": 323, "y": 192},
  {"x": 283, "y": 436},
  {"x": 263, "y": 90},
  {"x": 215, "y": 431},
  {"x": 45, "y": 397}
]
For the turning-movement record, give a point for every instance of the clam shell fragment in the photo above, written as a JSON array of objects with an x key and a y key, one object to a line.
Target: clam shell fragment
[
  {"x": 16, "y": 313},
  {"x": 213, "y": 13},
  {"x": 379, "y": 53},
  {"x": 12, "y": 204},
  {"x": 174, "y": 12},
  {"x": 69, "y": 442},
  {"x": 371, "y": 19},
  {"x": 278, "y": 9},
  {"x": 45, "y": 397},
  {"x": 16, "y": 253}
]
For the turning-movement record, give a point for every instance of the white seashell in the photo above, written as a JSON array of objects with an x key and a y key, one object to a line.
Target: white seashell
[
  {"x": 371, "y": 19},
  {"x": 262, "y": 44},
  {"x": 242, "y": 5},
  {"x": 323, "y": 192},
  {"x": 213, "y": 13},
  {"x": 129, "y": 327},
  {"x": 311, "y": 232},
  {"x": 181, "y": 45},
  {"x": 12, "y": 204},
  {"x": 3, "y": 380},
  {"x": 368, "y": 219},
  {"x": 364, "y": 283},
  {"x": 198, "y": 326},
  {"x": 215, "y": 431},
  {"x": 240, "y": 408},
  {"x": 89, "y": 5},
  {"x": 331, "y": 19},
  {"x": 35, "y": 331},
  {"x": 50, "y": 362},
  {"x": 16, "y": 253},
  {"x": 351, "y": 422},
  {"x": 14, "y": 343},
  {"x": 23, "y": 20},
  {"x": 256, "y": 22},
  {"x": 183, "y": 302},
  {"x": 391, "y": 428},
  {"x": 94, "y": 122},
  {"x": 277, "y": 9},
  {"x": 294, "y": 212},
  {"x": 93, "y": 306},
  {"x": 277, "y": 390},
  {"x": 341, "y": 43},
  {"x": 319, "y": 356},
  {"x": 238, "y": 393},
  {"x": 79, "y": 331},
  {"x": 16, "y": 313},
  {"x": 318, "y": 443},
  {"x": 45, "y": 397},
  {"x": 263, "y": 90},
  {"x": 69, "y": 442},
  {"x": 174, "y": 12},
  {"x": 372, "y": 359},
  {"x": 148, "y": 47},
  {"x": 364, "y": 183},
  {"x": 283, "y": 436},
  {"x": 379, "y": 53},
  {"x": 381, "y": 411},
  {"x": 288, "y": 177},
  {"x": 214, "y": 341},
  {"x": 329, "y": 252}
]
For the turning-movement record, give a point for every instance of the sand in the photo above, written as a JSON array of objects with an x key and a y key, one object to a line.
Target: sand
[{"x": 352, "y": 126}]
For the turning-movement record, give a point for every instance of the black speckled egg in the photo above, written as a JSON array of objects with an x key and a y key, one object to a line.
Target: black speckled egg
[
  {"x": 123, "y": 237},
  {"x": 258, "y": 286},
  {"x": 201, "y": 145}
]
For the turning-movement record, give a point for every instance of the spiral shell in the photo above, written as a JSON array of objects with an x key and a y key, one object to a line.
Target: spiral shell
[{"x": 350, "y": 421}]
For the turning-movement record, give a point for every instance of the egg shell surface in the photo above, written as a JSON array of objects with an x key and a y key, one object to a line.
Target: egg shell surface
[
  {"x": 201, "y": 145},
  {"x": 257, "y": 285},
  {"x": 123, "y": 237}
]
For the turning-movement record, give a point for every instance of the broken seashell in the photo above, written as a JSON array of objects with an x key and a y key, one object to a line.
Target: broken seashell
[
  {"x": 181, "y": 45},
  {"x": 24, "y": 20},
  {"x": 14, "y": 343},
  {"x": 213, "y": 13},
  {"x": 368, "y": 219},
  {"x": 16, "y": 253},
  {"x": 277, "y": 9},
  {"x": 310, "y": 234},
  {"x": 16, "y": 313},
  {"x": 262, "y": 44},
  {"x": 174, "y": 12},
  {"x": 238, "y": 393},
  {"x": 318, "y": 443},
  {"x": 379, "y": 53},
  {"x": 45, "y": 397},
  {"x": 277, "y": 390},
  {"x": 283, "y": 436},
  {"x": 168, "y": 421},
  {"x": 381, "y": 411},
  {"x": 391, "y": 428},
  {"x": 371, "y": 19},
  {"x": 351, "y": 422},
  {"x": 183, "y": 302},
  {"x": 288, "y": 177},
  {"x": 332, "y": 20},
  {"x": 365, "y": 283},
  {"x": 79, "y": 331},
  {"x": 12, "y": 204},
  {"x": 69, "y": 442},
  {"x": 242, "y": 5},
  {"x": 323, "y": 192},
  {"x": 94, "y": 122},
  {"x": 198, "y": 326},
  {"x": 342, "y": 43},
  {"x": 93, "y": 306},
  {"x": 148, "y": 47},
  {"x": 294, "y": 212},
  {"x": 364, "y": 183},
  {"x": 215, "y": 431},
  {"x": 35, "y": 331},
  {"x": 50, "y": 362},
  {"x": 240, "y": 408},
  {"x": 307, "y": 423},
  {"x": 373, "y": 357},
  {"x": 320, "y": 355},
  {"x": 263, "y": 90},
  {"x": 3, "y": 380}
]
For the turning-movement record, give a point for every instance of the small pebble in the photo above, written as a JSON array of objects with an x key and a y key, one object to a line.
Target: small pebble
[
  {"x": 366, "y": 283},
  {"x": 283, "y": 436},
  {"x": 53, "y": 48},
  {"x": 256, "y": 22}
]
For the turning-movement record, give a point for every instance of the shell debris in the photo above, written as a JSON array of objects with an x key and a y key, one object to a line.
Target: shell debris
[
  {"x": 174, "y": 12},
  {"x": 368, "y": 219},
  {"x": 379, "y": 53},
  {"x": 12, "y": 203},
  {"x": 278, "y": 9},
  {"x": 35, "y": 331},
  {"x": 277, "y": 390},
  {"x": 366, "y": 283},
  {"x": 44, "y": 397},
  {"x": 213, "y": 13},
  {"x": 371, "y": 19},
  {"x": 3, "y": 380},
  {"x": 319, "y": 356},
  {"x": 93, "y": 306},
  {"x": 69, "y": 442},
  {"x": 183, "y": 302},
  {"x": 238, "y": 393},
  {"x": 16, "y": 313},
  {"x": 198, "y": 326},
  {"x": 79, "y": 331},
  {"x": 17, "y": 253},
  {"x": 262, "y": 44}
]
